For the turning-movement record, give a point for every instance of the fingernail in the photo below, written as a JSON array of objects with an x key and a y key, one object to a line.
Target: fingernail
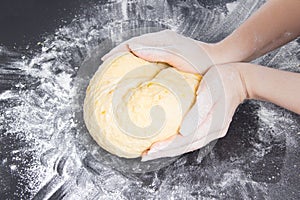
[
  {"x": 159, "y": 146},
  {"x": 136, "y": 47},
  {"x": 145, "y": 158},
  {"x": 104, "y": 57},
  {"x": 153, "y": 150}
]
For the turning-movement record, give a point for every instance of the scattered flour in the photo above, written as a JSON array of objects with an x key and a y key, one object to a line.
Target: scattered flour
[{"x": 58, "y": 159}]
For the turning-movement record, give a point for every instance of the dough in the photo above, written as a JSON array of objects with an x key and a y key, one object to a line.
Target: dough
[{"x": 131, "y": 103}]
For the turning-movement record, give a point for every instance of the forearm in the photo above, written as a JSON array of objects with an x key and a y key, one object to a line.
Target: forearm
[
  {"x": 276, "y": 86},
  {"x": 274, "y": 24}
]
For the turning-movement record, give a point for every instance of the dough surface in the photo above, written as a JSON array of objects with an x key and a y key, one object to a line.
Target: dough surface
[{"x": 131, "y": 103}]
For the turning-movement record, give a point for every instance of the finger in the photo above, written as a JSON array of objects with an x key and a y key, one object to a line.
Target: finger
[
  {"x": 171, "y": 148},
  {"x": 196, "y": 144},
  {"x": 187, "y": 51},
  {"x": 174, "y": 152},
  {"x": 153, "y": 156},
  {"x": 159, "y": 145},
  {"x": 156, "y": 38},
  {"x": 199, "y": 111},
  {"x": 150, "y": 155},
  {"x": 160, "y": 38},
  {"x": 162, "y": 54},
  {"x": 162, "y": 144},
  {"x": 118, "y": 49},
  {"x": 204, "y": 134},
  {"x": 177, "y": 142},
  {"x": 180, "y": 145}
]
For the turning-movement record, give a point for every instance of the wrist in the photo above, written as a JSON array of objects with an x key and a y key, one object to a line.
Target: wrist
[
  {"x": 233, "y": 82},
  {"x": 222, "y": 53},
  {"x": 245, "y": 75},
  {"x": 231, "y": 50},
  {"x": 213, "y": 52}
]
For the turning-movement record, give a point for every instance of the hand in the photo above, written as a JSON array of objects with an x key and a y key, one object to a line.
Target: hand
[
  {"x": 220, "y": 92},
  {"x": 168, "y": 46}
]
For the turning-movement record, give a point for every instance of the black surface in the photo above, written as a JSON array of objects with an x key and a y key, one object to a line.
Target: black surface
[{"x": 24, "y": 23}]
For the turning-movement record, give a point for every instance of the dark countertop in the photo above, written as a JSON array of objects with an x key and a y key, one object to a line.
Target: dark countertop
[{"x": 46, "y": 153}]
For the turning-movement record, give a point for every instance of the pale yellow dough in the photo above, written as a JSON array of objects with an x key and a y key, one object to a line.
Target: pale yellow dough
[{"x": 147, "y": 88}]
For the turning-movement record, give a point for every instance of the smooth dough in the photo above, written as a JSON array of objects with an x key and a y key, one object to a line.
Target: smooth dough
[{"x": 121, "y": 95}]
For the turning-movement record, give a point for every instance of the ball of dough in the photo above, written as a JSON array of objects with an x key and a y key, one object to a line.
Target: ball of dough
[{"x": 131, "y": 103}]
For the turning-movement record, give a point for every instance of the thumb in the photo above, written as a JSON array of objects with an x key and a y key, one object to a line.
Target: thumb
[
  {"x": 162, "y": 54},
  {"x": 199, "y": 112}
]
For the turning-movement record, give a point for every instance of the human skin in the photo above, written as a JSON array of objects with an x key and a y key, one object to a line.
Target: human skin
[
  {"x": 263, "y": 83},
  {"x": 271, "y": 26}
]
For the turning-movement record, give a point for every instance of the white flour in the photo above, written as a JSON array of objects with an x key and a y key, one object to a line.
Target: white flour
[{"x": 40, "y": 113}]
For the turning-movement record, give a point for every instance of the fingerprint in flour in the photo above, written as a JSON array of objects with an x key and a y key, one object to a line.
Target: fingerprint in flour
[{"x": 38, "y": 113}]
